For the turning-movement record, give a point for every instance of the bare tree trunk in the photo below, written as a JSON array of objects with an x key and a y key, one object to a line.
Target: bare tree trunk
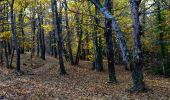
[
  {"x": 68, "y": 35},
  {"x": 109, "y": 45},
  {"x": 38, "y": 43},
  {"x": 15, "y": 39},
  {"x": 1, "y": 52},
  {"x": 115, "y": 26},
  {"x": 59, "y": 38},
  {"x": 79, "y": 33},
  {"x": 54, "y": 42},
  {"x": 6, "y": 54},
  {"x": 33, "y": 35},
  {"x": 98, "y": 61},
  {"x": 41, "y": 36},
  {"x": 137, "y": 73},
  {"x": 21, "y": 30}
]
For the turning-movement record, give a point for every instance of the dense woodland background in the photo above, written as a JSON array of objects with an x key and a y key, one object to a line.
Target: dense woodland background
[{"x": 85, "y": 49}]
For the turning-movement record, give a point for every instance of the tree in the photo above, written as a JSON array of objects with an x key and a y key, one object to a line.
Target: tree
[
  {"x": 98, "y": 60},
  {"x": 58, "y": 37},
  {"x": 41, "y": 36},
  {"x": 79, "y": 34},
  {"x": 53, "y": 37},
  {"x": 137, "y": 73},
  {"x": 116, "y": 28},
  {"x": 109, "y": 45},
  {"x": 15, "y": 39},
  {"x": 68, "y": 33}
]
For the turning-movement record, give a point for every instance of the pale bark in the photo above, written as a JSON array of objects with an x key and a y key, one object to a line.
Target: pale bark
[{"x": 115, "y": 26}]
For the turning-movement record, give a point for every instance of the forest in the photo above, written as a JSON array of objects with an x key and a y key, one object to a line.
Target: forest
[{"x": 84, "y": 50}]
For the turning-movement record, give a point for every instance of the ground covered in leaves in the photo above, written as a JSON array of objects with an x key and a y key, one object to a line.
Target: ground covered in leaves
[{"x": 41, "y": 80}]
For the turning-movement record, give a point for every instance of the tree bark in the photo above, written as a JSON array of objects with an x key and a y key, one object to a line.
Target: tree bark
[
  {"x": 21, "y": 31},
  {"x": 54, "y": 42},
  {"x": 15, "y": 39},
  {"x": 59, "y": 38},
  {"x": 6, "y": 54},
  {"x": 109, "y": 46},
  {"x": 41, "y": 37},
  {"x": 137, "y": 73},
  {"x": 68, "y": 35},
  {"x": 79, "y": 33},
  {"x": 115, "y": 26},
  {"x": 98, "y": 61}
]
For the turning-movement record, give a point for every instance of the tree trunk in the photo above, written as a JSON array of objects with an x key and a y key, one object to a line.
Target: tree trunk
[
  {"x": 41, "y": 37},
  {"x": 33, "y": 34},
  {"x": 21, "y": 30},
  {"x": 116, "y": 28},
  {"x": 1, "y": 52},
  {"x": 109, "y": 46},
  {"x": 59, "y": 38},
  {"x": 137, "y": 73},
  {"x": 79, "y": 33},
  {"x": 161, "y": 35},
  {"x": 68, "y": 35},
  {"x": 17, "y": 48},
  {"x": 38, "y": 43},
  {"x": 33, "y": 27},
  {"x": 98, "y": 61},
  {"x": 54, "y": 42},
  {"x": 6, "y": 54}
]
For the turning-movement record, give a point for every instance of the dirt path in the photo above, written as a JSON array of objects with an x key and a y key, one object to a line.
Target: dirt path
[
  {"x": 50, "y": 61},
  {"x": 81, "y": 83}
]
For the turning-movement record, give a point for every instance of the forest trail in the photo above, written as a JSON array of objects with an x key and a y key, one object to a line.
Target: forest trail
[
  {"x": 50, "y": 61},
  {"x": 81, "y": 83}
]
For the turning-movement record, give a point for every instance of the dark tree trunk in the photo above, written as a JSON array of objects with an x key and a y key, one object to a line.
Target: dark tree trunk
[
  {"x": 109, "y": 46},
  {"x": 21, "y": 31},
  {"x": 68, "y": 35},
  {"x": 116, "y": 28},
  {"x": 79, "y": 33},
  {"x": 33, "y": 28},
  {"x": 38, "y": 43},
  {"x": 2, "y": 14},
  {"x": 137, "y": 73},
  {"x": 87, "y": 51},
  {"x": 54, "y": 42},
  {"x": 100, "y": 56},
  {"x": 50, "y": 43},
  {"x": 79, "y": 47},
  {"x": 6, "y": 54},
  {"x": 98, "y": 61},
  {"x": 1, "y": 52},
  {"x": 15, "y": 39},
  {"x": 160, "y": 36},
  {"x": 9, "y": 48},
  {"x": 41, "y": 37},
  {"x": 98, "y": 42},
  {"x": 59, "y": 38},
  {"x": 12, "y": 56}
]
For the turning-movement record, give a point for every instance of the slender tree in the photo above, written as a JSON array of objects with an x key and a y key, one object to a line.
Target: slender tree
[
  {"x": 58, "y": 37},
  {"x": 98, "y": 62},
  {"x": 15, "y": 39},
  {"x": 109, "y": 45},
  {"x": 54, "y": 51},
  {"x": 41, "y": 36},
  {"x": 80, "y": 34},
  {"x": 68, "y": 34},
  {"x": 115, "y": 26}
]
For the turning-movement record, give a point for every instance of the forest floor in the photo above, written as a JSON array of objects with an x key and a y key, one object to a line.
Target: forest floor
[{"x": 42, "y": 81}]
